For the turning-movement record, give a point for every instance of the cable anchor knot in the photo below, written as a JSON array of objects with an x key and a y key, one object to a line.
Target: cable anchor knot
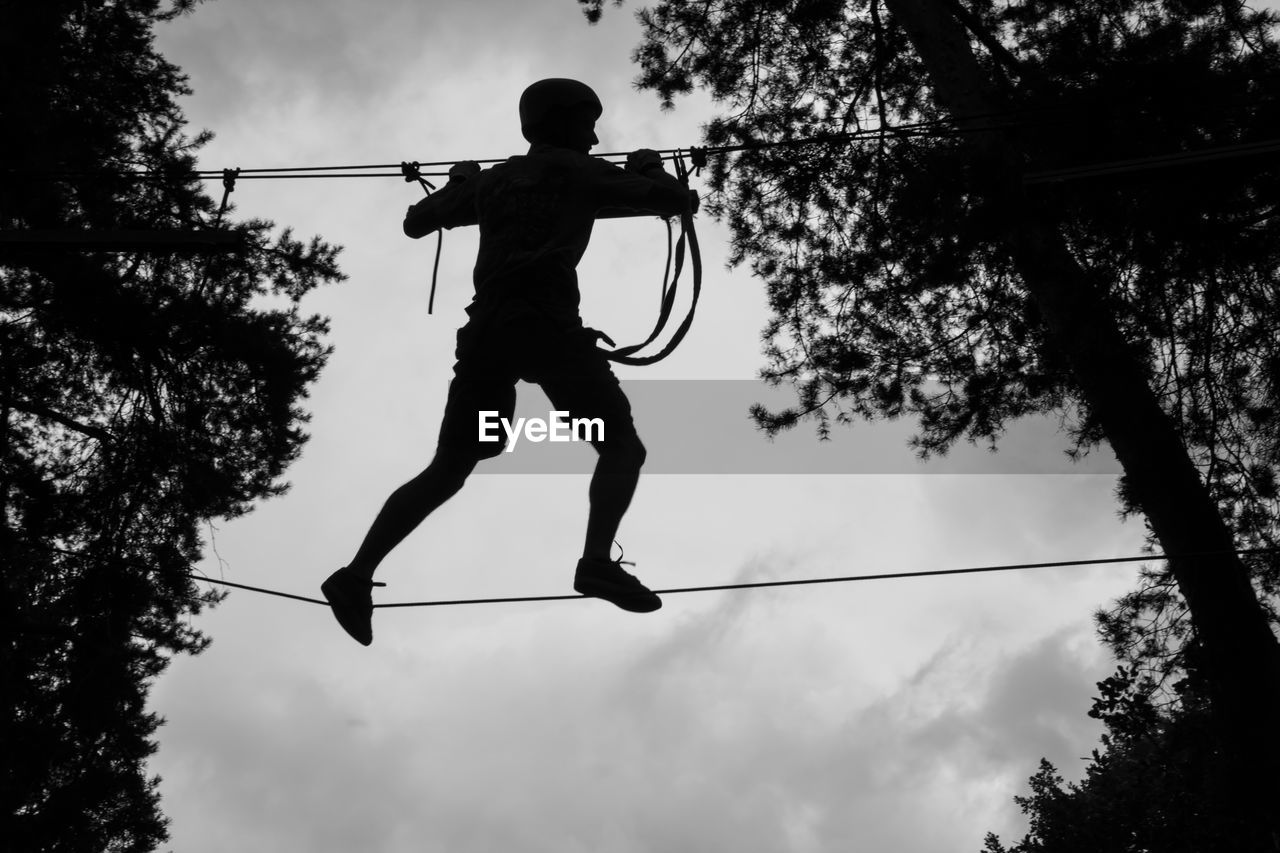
[
  {"x": 412, "y": 171},
  {"x": 228, "y": 187},
  {"x": 697, "y": 159}
]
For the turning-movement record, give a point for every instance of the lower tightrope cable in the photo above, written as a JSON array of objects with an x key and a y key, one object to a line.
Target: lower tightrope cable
[
  {"x": 762, "y": 584},
  {"x": 221, "y": 582}
]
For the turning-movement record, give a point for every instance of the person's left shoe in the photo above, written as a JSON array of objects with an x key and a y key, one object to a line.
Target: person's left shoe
[
  {"x": 606, "y": 579},
  {"x": 351, "y": 598}
]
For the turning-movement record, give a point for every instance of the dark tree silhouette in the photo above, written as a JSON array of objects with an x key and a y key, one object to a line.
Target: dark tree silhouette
[
  {"x": 919, "y": 274},
  {"x": 1157, "y": 783},
  {"x": 142, "y": 394}
]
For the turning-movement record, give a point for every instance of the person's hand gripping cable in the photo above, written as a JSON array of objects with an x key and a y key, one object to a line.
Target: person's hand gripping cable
[{"x": 648, "y": 164}]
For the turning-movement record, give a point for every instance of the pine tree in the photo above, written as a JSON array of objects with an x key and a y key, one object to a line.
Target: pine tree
[
  {"x": 142, "y": 394},
  {"x": 929, "y": 272},
  {"x": 1157, "y": 783}
]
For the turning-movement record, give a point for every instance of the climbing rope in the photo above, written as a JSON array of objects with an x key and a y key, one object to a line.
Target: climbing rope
[{"x": 412, "y": 171}]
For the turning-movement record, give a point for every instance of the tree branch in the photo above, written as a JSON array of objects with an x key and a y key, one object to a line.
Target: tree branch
[{"x": 39, "y": 411}]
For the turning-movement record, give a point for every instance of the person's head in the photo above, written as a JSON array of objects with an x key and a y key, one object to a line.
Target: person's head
[{"x": 560, "y": 112}]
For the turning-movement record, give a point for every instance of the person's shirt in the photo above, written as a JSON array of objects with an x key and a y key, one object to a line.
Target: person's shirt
[{"x": 535, "y": 214}]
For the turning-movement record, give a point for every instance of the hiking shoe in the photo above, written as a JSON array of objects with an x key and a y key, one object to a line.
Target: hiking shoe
[
  {"x": 351, "y": 598},
  {"x": 600, "y": 578}
]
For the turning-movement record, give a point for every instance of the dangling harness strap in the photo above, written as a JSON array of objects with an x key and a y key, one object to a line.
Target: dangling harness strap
[
  {"x": 695, "y": 261},
  {"x": 689, "y": 236},
  {"x": 667, "y": 299}
]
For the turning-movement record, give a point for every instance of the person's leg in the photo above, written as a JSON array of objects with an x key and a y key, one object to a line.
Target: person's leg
[
  {"x": 613, "y": 484},
  {"x": 579, "y": 381},
  {"x": 349, "y": 589},
  {"x": 587, "y": 389},
  {"x": 409, "y": 506}
]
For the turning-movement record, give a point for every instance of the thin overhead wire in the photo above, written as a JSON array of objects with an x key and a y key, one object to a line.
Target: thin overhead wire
[
  {"x": 938, "y": 128},
  {"x": 764, "y": 584},
  {"x": 926, "y": 128},
  {"x": 1136, "y": 164}
]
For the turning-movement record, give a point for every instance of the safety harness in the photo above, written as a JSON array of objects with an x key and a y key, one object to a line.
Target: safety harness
[
  {"x": 687, "y": 243},
  {"x": 670, "y": 281}
]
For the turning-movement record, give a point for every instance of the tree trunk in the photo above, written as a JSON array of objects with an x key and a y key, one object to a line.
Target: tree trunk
[{"x": 1241, "y": 655}]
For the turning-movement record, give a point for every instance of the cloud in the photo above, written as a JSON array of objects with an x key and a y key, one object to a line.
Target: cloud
[
  {"x": 339, "y": 56},
  {"x": 879, "y": 717},
  {"x": 743, "y": 725}
]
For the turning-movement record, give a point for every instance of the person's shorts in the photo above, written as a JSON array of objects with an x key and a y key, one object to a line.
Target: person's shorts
[{"x": 516, "y": 341}]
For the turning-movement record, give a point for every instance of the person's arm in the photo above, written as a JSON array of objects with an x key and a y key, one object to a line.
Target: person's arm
[
  {"x": 660, "y": 194},
  {"x": 451, "y": 206},
  {"x": 668, "y": 196}
]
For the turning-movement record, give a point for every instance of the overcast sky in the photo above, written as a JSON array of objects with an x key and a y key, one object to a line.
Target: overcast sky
[{"x": 890, "y": 715}]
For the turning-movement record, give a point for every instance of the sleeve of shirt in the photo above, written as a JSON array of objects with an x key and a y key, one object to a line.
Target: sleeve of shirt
[
  {"x": 453, "y": 205},
  {"x": 623, "y": 193}
]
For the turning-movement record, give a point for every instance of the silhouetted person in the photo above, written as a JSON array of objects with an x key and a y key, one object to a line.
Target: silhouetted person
[{"x": 535, "y": 214}]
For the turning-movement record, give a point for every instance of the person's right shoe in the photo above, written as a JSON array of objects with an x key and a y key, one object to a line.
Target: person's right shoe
[
  {"x": 606, "y": 579},
  {"x": 351, "y": 598}
]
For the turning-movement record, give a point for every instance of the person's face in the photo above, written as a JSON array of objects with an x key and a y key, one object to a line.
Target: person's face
[{"x": 579, "y": 129}]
